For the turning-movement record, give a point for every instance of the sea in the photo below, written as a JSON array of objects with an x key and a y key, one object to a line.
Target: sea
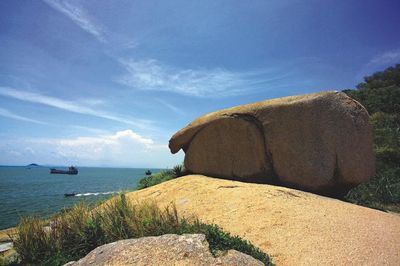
[{"x": 26, "y": 190}]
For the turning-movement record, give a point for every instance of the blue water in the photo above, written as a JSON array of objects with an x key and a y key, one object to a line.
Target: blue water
[{"x": 26, "y": 191}]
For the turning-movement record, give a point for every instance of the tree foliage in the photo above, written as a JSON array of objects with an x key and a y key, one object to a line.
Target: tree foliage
[
  {"x": 388, "y": 77},
  {"x": 379, "y": 92}
]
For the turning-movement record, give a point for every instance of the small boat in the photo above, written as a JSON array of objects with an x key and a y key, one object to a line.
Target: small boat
[
  {"x": 69, "y": 194},
  {"x": 148, "y": 172},
  {"x": 71, "y": 171}
]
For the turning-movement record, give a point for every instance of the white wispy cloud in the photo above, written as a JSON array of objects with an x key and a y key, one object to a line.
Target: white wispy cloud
[
  {"x": 378, "y": 63},
  {"x": 131, "y": 44},
  {"x": 122, "y": 148},
  {"x": 9, "y": 114},
  {"x": 70, "y": 106},
  {"x": 88, "y": 129},
  {"x": 385, "y": 58},
  {"x": 152, "y": 75},
  {"x": 170, "y": 106},
  {"x": 78, "y": 16},
  {"x": 92, "y": 101}
]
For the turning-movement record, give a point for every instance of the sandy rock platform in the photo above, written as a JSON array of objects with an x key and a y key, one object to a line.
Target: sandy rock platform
[{"x": 293, "y": 227}]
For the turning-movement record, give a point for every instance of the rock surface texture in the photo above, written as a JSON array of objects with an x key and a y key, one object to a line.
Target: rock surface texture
[
  {"x": 318, "y": 142},
  {"x": 292, "y": 226},
  {"x": 163, "y": 250}
]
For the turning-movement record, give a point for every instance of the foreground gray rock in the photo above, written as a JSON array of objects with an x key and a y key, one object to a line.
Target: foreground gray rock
[
  {"x": 162, "y": 250},
  {"x": 318, "y": 142}
]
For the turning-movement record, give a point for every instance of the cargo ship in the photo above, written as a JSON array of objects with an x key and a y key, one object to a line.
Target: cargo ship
[{"x": 71, "y": 171}]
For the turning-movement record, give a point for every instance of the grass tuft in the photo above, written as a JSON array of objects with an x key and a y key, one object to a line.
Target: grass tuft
[
  {"x": 165, "y": 175},
  {"x": 74, "y": 233},
  {"x": 36, "y": 242}
]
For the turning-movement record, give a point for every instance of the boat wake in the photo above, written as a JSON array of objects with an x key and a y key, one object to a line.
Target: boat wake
[{"x": 94, "y": 193}]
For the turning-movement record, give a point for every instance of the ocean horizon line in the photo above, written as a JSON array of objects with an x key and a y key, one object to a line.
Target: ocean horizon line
[{"x": 82, "y": 166}]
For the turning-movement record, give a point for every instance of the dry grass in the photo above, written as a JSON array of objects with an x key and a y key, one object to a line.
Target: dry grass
[{"x": 74, "y": 233}]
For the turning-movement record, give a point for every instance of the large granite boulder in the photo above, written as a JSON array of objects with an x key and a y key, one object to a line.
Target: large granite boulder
[
  {"x": 163, "y": 250},
  {"x": 318, "y": 142}
]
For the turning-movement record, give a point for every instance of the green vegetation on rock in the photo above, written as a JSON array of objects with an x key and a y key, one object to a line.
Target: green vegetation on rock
[
  {"x": 165, "y": 175},
  {"x": 81, "y": 229},
  {"x": 380, "y": 95}
]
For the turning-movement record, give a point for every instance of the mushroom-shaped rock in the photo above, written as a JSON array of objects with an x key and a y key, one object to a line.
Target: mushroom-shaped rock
[{"x": 319, "y": 142}]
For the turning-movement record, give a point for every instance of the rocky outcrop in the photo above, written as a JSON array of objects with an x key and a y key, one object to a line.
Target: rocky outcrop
[
  {"x": 163, "y": 250},
  {"x": 318, "y": 142},
  {"x": 239, "y": 145},
  {"x": 292, "y": 226}
]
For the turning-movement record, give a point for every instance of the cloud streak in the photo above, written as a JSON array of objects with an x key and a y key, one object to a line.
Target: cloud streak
[
  {"x": 78, "y": 16},
  {"x": 9, "y": 114},
  {"x": 170, "y": 106},
  {"x": 385, "y": 58},
  {"x": 151, "y": 75},
  {"x": 154, "y": 76},
  {"x": 70, "y": 106},
  {"x": 377, "y": 62}
]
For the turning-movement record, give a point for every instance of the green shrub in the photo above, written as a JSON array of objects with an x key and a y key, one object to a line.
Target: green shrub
[
  {"x": 155, "y": 179},
  {"x": 379, "y": 92},
  {"x": 385, "y": 99},
  {"x": 178, "y": 170},
  {"x": 165, "y": 175},
  {"x": 387, "y": 138},
  {"x": 79, "y": 230},
  {"x": 222, "y": 241},
  {"x": 383, "y": 189}
]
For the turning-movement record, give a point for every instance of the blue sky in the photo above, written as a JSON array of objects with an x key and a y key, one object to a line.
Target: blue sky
[{"x": 107, "y": 83}]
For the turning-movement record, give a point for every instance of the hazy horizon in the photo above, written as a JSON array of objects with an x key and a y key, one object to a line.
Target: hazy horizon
[{"x": 83, "y": 166}]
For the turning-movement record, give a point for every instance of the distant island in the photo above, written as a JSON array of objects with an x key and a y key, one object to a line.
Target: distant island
[{"x": 33, "y": 165}]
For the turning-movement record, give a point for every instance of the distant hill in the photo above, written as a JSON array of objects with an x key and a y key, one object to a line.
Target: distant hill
[{"x": 34, "y": 165}]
